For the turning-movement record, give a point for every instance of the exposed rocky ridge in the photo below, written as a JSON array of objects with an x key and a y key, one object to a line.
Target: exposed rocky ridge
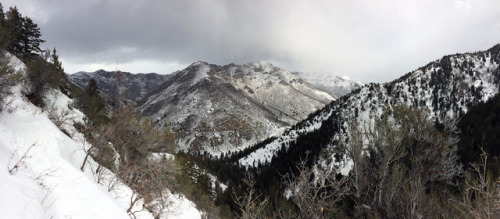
[
  {"x": 117, "y": 84},
  {"x": 221, "y": 108},
  {"x": 446, "y": 87},
  {"x": 333, "y": 84}
]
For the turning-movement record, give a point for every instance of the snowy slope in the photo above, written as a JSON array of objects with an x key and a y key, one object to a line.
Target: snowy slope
[
  {"x": 447, "y": 87},
  {"x": 222, "y": 108},
  {"x": 41, "y": 176},
  {"x": 47, "y": 182},
  {"x": 331, "y": 83}
]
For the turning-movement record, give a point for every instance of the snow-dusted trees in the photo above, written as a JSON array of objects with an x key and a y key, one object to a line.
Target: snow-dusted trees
[{"x": 403, "y": 165}]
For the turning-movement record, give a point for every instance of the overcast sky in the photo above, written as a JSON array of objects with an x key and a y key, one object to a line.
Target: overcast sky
[{"x": 368, "y": 40}]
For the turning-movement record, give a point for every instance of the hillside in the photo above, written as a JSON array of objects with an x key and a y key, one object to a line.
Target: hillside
[
  {"x": 222, "y": 108},
  {"x": 42, "y": 153},
  {"x": 447, "y": 87}
]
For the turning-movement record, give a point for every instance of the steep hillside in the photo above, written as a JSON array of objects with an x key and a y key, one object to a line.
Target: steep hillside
[
  {"x": 447, "y": 87},
  {"x": 479, "y": 130},
  {"x": 41, "y": 154},
  {"x": 221, "y": 108},
  {"x": 123, "y": 85},
  {"x": 333, "y": 84}
]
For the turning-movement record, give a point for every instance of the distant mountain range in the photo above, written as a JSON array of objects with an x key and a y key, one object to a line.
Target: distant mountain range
[
  {"x": 220, "y": 108},
  {"x": 115, "y": 85}
]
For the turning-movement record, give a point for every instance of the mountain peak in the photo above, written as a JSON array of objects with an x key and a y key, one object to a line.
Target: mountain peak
[
  {"x": 263, "y": 65},
  {"x": 331, "y": 83},
  {"x": 221, "y": 108},
  {"x": 199, "y": 63}
]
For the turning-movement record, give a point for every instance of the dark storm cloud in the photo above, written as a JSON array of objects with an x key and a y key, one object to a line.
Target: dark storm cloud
[{"x": 367, "y": 40}]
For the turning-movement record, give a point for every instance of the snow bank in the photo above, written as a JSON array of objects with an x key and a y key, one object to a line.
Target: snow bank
[{"x": 47, "y": 182}]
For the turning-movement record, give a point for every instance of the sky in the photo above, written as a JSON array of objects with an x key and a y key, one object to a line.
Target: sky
[{"x": 369, "y": 41}]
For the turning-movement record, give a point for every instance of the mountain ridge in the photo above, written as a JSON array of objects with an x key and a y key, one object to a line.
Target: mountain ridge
[
  {"x": 116, "y": 86},
  {"x": 331, "y": 83},
  {"x": 447, "y": 87},
  {"x": 227, "y": 103}
]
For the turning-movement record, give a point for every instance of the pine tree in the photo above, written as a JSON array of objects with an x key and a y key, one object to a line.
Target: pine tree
[
  {"x": 92, "y": 88},
  {"x": 92, "y": 104},
  {"x": 23, "y": 35},
  {"x": 31, "y": 39},
  {"x": 3, "y": 30},
  {"x": 55, "y": 61},
  {"x": 14, "y": 24},
  {"x": 2, "y": 16}
]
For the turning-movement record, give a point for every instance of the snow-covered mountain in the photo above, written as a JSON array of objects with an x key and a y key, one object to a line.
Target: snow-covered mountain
[
  {"x": 220, "y": 108},
  {"x": 41, "y": 154},
  {"x": 447, "y": 87},
  {"x": 333, "y": 84},
  {"x": 117, "y": 84}
]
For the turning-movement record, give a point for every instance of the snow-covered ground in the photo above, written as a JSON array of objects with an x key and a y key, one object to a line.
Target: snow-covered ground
[{"x": 40, "y": 174}]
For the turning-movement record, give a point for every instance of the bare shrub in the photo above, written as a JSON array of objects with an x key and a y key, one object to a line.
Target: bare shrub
[
  {"x": 41, "y": 76},
  {"x": 402, "y": 165},
  {"x": 124, "y": 146},
  {"x": 20, "y": 161},
  {"x": 250, "y": 204},
  {"x": 148, "y": 181},
  {"x": 59, "y": 116},
  {"x": 8, "y": 78},
  {"x": 315, "y": 192},
  {"x": 481, "y": 193}
]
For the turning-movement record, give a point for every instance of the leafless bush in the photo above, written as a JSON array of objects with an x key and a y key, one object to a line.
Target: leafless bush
[
  {"x": 8, "y": 78},
  {"x": 45, "y": 198},
  {"x": 481, "y": 193},
  {"x": 401, "y": 163},
  {"x": 59, "y": 116},
  {"x": 46, "y": 173},
  {"x": 124, "y": 146},
  {"x": 316, "y": 192},
  {"x": 20, "y": 162},
  {"x": 249, "y": 204},
  {"x": 113, "y": 182},
  {"x": 149, "y": 181}
]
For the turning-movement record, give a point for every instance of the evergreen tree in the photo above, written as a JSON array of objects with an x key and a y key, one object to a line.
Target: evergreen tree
[
  {"x": 55, "y": 61},
  {"x": 3, "y": 30},
  {"x": 24, "y": 35},
  {"x": 2, "y": 16},
  {"x": 92, "y": 88},
  {"x": 14, "y": 25},
  {"x": 92, "y": 104},
  {"x": 31, "y": 39}
]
